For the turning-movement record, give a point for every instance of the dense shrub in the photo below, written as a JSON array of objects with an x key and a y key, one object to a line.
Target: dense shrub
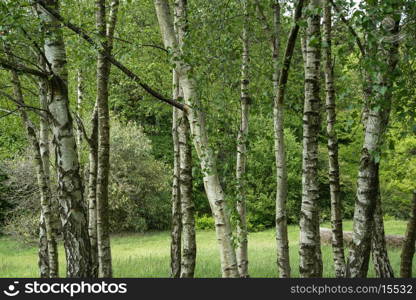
[
  {"x": 139, "y": 187},
  {"x": 20, "y": 193},
  {"x": 204, "y": 222}
]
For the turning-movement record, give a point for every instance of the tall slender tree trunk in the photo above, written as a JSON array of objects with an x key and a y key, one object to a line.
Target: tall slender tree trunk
[
  {"x": 187, "y": 202},
  {"x": 310, "y": 248},
  {"x": 283, "y": 261},
  {"x": 80, "y": 98},
  {"x": 175, "y": 246},
  {"x": 73, "y": 215},
  {"x": 48, "y": 255},
  {"x": 199, "y": 133},
  {"x": 92, "y": 191},
  {"x": 382, "y": 266},
  {"x": 188, "y": 259},
  {"x": 333, "y": 168},
  {"x": 242, "y": 139},
  {"x": 44, "y": 150},
  {"x": 408, "y": 249},
  {"x": 377, "y": 116},
  {"x": 45, "y": 156},
  {"x": 103, "y": 73}
]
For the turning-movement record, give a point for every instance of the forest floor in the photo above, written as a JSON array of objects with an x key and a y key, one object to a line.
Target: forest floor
[{"x": 147, "y": 255}]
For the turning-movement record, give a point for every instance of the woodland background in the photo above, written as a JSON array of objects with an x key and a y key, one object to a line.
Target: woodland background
[{"x": 141, "y": 146}]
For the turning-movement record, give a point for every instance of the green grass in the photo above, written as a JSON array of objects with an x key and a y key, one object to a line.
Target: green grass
[{"x": 147, "y": 255}]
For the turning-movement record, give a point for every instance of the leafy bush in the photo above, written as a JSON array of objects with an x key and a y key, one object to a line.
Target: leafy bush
[
  {"x": 204, "y": 222},
  {"x": 139, "y": 187},
  {"x": 139, "y": 191},
  {"x": 20, "y": 194}
]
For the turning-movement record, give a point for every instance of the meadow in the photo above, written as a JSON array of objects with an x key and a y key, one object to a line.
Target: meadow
[{"x": 147, "y": 255}]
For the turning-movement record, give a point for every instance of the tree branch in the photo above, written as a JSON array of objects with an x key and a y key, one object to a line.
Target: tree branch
[
  {"x": 23, "y": 105},
  {"x": 352, "y": 31},
  {"x": 21, "y": 68},
  {"x": 111, "y": 58}
]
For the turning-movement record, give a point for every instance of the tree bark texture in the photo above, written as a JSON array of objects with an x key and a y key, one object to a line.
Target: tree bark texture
[
  {"x": 176, "y": 230},
  {"x": 377, "y": 116},
  {"x": 333, "y": 167},
  {"x": 73, "y": 215},
  {"x": 106, "y": 31},
  {"x": 188, "y": 259},
  {"x": 92, "y": 191},
  {"x": 283, "y": 261},
  {"x": 48, "y": 254},
  {"x": 310, "y": 248},
  {"x": 242, "y": 140}
]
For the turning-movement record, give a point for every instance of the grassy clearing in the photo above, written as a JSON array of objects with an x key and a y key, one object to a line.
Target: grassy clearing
[{"x": 147, "y": 255}]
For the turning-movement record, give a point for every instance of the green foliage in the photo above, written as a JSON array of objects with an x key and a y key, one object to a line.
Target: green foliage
[
  {"x": 20, "y": 196},
  {"x": 398, "y": 172},
  {"x": 204, "y": 222},
  {"x": 139, "y": 190}
]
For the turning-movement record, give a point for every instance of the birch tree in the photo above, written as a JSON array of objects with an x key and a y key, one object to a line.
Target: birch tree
[
  {"x": 333, "y": 168},
  {"x": 106, "y": 31},
  {"x": 379, "y": 106},
  {"x": 199, "y": 133},
  {"x": 309, "y": 243},
  {"x": 80, "y": 98},
  {"x": 242, "y": 251},
  {"x": 176, "y": 231},
  {"x": 92, "y": 191},
  {"x": 188, "y": 253},
  {"x": 48, "y": 253},
  {"x": 283, "y": 261},
  {"x": 73, "y": 215},
  {"x": 279, "y": 79}
]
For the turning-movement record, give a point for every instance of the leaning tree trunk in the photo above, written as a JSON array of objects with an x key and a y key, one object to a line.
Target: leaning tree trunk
[
  {"x": 408, "y": 249},
  {"x": 176, "y": 230},
  {"x": 333, "y": 168},
  {"x": 199, "y": 133},
  {"x": 377, "y": 117},
  {"x": 283, "y": 261},
  {"x": 242, "y": 253},
  {"x": 381, "y": 260},
  {"x": 310, "y": 246},
  {"x": 103, "y": 73},
  {"x": 73, "y": 215}
]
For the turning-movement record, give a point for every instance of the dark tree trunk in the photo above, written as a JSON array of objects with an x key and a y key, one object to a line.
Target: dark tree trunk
[{"x": 408, "y": 249}]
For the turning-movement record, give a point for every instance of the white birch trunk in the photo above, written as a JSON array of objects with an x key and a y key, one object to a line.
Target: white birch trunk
[
  {"x": 196, "y": 119},
  {"x": 242, "y": 251},
  {"x": 176, "y": 230},
  {"x": 377, "y": 117},
  {"x": 333, "y": 168},
  {"x": 310, "y": 248},
  {"x": 73, "y": 216}
]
